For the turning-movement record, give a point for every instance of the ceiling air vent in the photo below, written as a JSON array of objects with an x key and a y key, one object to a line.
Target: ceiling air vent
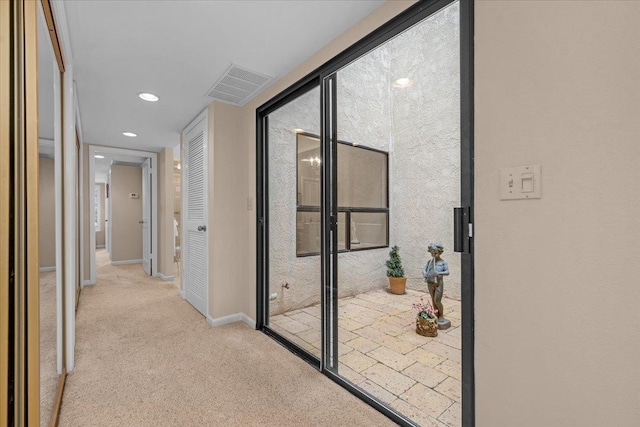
[{"x": 238, "y": 85}]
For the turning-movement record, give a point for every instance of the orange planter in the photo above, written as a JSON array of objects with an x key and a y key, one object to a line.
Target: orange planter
[{"x": 397, "y": 285}]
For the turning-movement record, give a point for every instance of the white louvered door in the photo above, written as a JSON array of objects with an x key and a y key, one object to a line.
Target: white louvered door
[{"x": 195, "y": 277}]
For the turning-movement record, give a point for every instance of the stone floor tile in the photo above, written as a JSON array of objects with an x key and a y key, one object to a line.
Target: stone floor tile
[
  {"x": 357, "y": 361},
  {"x": 452, "y": 417},
  {"x": 394, "y": 343},
  {"x": 362, "y": 344},
  {"x": 452, "y": 388},
  {"x": 293, "y": 326},
  {"x": 388, "y": 378},
  {"x": 425, "y": 375},
  {"x": 455, "y": 332},
  {"x": 425, "y": 357},
  {"x": 343, "y": 349},
  {"x": 305, "y": 318},
  {"x": 430, "y": 401},
  {"x": 344, "y": 335},
  {"x": 382, "y": 309},
  {"x": 453, "y": 315},
  {"x": 349, "y": 374},
  {"x": 314, "y": 310},
  {"x": 415, "y": 414},
  {"x": 392, "y": 359},
  {"x": 312, "y": 336},
  {"x": 443, "y": 350},
  {"x": 451, "y": 368},
  {"x": 389, "y": 328},
  {"x": 450, "y": 340},
  {"x": 349, "y": 325},
  {"x": 414, "y": 338},
  {"x": 379, "y": 392}
]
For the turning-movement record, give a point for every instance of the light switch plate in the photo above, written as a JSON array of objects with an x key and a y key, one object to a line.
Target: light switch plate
[{"x": 520, "y": 182}]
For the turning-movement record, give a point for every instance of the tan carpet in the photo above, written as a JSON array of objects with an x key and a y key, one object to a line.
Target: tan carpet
[
  {"x": 48, "y": 346},
  {"x": 145, "y": 357}
]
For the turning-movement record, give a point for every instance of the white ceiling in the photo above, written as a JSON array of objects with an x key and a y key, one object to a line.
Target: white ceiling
[{"x": 178, "y": 49}]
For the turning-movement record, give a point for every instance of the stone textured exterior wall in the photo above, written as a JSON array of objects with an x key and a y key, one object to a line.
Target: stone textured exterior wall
[{"x": 420, "y": 129}]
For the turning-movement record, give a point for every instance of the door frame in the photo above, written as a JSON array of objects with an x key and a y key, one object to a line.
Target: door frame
[
  {"x": 153, "y": 195},
  {"x": 400, "y": 23}
]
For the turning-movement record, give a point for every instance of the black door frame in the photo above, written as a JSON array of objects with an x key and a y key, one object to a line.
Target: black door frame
[{"x": 320, "y": 77}]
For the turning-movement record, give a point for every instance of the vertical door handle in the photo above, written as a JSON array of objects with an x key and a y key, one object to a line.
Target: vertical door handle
[{"x": 461, "y": 229}]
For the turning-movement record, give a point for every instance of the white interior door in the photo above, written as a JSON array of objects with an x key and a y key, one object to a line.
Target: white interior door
[
  {"x": 195, "y": 277},
  {"x": 146, "y": 217}
]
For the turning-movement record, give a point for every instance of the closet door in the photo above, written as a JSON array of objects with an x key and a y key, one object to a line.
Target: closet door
[{"x": 195, "y": 276}]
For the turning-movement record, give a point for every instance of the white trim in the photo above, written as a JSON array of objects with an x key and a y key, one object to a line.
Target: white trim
[
  {"x": 232, "y": 318},
  {"x": 166, "y": 278},
  {"x": 100, "y": 246},
  {"x": 44, "y": 269},
  {"x": 181, "y": 293},
  {"x": 153, "y": 194},
  {"x": 128, "y": 261},
  {"x": 87, "y": 283}
]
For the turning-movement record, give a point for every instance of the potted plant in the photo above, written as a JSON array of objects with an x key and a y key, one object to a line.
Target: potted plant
[
  {"x": 426, "y": 319},
  {"x": 395, "y": 272}
]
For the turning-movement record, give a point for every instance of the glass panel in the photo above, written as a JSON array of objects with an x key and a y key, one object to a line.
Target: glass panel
[
  {"x": 402, "y": 99},
  {"x": 368, "y": 229},
  {"x": 362, "y": 176},
  {"x": 307, "y": 233},
  {"x": 294, "y": 281}
]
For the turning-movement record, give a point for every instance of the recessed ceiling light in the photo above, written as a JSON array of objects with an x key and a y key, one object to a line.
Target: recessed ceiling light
[
  {"x": 130, "y": 134},
  {"x": 403, "y": 82},
  {"x": 145, "y": 96},
  {"x": 98, "y": 156}
]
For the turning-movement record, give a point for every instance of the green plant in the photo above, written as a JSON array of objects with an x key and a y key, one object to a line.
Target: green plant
[{"x": 394, "y": 264}]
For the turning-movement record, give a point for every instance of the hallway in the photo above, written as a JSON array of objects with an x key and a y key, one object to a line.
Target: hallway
[{"x": 145, "y": 357}]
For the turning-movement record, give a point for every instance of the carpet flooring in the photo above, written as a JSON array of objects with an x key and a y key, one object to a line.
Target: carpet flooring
[
  {"x": 145, "y": 357},
  {"x": 48, "y": 346}
]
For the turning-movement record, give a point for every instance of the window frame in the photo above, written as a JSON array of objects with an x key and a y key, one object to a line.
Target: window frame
[{"x": 348, "y": 210}]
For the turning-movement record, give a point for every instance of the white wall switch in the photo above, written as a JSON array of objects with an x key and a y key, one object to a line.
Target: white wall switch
[{"x": 520, "y": 182}]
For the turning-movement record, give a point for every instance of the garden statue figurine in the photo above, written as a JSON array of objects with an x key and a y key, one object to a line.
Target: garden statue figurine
[{"x": 434, "y": 270}]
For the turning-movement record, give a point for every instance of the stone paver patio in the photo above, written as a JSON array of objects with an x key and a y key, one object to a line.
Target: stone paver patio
[{"x": 380, "y": 352}]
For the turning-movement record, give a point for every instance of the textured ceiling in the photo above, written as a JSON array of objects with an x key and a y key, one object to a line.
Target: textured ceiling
[{"x": 178, "y": 49}]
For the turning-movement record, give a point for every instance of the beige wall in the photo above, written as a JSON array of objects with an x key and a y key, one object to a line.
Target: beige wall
[
  {"x": 47, "y": 217},
  {"x": 557, "y": 283},
  {"x": 166, "y": 266},
  {"x": 100, "y": 234},
  {"x": 126, "y": 232}
]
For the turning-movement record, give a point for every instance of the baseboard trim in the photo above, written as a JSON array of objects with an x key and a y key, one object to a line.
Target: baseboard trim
[
  {"x": 166, "y": 278},
  {"x": 58, "y": 402},
  {"x": 87, "y": 283},
  {"x": 100, "y": 246},
  {"x": 128, "y": 261},
  {"x": 43, "y": 269},
  {"x": 232, "y": 318},
  {"x": 181, "y": 293}
]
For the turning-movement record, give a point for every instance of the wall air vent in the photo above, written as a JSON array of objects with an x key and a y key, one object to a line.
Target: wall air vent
[{"x": 238, "y": 85}]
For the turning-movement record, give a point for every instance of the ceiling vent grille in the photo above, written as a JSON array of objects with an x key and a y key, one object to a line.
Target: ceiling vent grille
[{"x": 238, "y": 85}]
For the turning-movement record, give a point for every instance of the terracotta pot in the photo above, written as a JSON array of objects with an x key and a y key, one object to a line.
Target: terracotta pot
[
  {"x": 426, "y": 327},
  {"x": 397, "y": 285}
]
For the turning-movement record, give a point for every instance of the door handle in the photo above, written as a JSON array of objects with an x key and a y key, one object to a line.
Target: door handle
[
  {"x": 462, "y": 227},
  {"x": 202, "y": 228},
  {"x": 140, "y": 222}
]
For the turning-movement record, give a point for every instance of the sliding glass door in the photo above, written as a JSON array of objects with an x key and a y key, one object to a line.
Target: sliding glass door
[{"x": 363, "y": 168}]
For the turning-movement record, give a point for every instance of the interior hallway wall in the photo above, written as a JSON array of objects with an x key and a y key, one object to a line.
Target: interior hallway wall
[
  {"x": 557, "y": 282},
  {"x": 166, "y": 266},
  {"x": 47, "y": 217},
  {"x": 100, "y": 234},
  {"x": 126, "y": 232}
]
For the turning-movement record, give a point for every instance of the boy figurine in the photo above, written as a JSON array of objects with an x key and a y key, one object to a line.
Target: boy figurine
[{"x": 434, "y": 270}]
